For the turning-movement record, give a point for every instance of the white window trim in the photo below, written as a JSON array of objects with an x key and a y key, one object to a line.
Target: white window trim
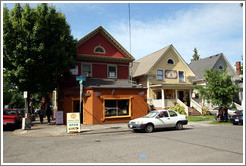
[
  {"x": 184, "y": 75},
  {"x": 172, "y": 60},
  {"x": 86, "y": 64},
  {"x": 163, "y": 73},
  {"x": 104, "y": 52},
  {"x": 116, "y": 75}
]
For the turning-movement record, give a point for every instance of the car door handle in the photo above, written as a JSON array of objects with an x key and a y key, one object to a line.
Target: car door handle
[{"x": 168, "y": 118}]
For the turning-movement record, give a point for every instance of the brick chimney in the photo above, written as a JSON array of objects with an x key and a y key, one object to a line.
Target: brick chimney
[{"x": 238, "y": 64}]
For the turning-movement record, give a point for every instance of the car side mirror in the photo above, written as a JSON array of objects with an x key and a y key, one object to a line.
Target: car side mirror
[{"x": 157, "y": 117}]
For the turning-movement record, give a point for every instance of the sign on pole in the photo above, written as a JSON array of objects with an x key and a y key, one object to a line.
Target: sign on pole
[
  {"x": 73, "y": 122},
  {"x": 25, "y": 94},
  {"x": 80, "y": 79}
]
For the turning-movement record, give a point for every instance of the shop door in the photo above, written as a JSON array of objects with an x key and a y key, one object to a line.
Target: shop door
[{"x": 76, "y": 109}]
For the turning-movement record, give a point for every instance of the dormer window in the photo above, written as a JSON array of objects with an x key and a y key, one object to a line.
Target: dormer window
[
  {"x": 170, "y": 61},
  {"x": 99, "y": 49}
]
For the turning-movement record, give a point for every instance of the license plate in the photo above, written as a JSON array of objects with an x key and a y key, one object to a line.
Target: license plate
[{"x": 236, "y": 120}]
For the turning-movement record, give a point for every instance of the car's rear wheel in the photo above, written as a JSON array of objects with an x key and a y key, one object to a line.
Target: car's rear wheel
[
  {"x": 179, "y": 126},
  {"x": 149, "y": 128}
]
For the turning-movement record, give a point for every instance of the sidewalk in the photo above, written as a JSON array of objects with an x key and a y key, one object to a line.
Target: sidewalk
[{"x": 53, "y": 130}]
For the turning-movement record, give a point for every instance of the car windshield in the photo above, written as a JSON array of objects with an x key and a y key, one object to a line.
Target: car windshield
[
  {"x": 9, "y": 112},
  {"x": 152, "y": 114}
]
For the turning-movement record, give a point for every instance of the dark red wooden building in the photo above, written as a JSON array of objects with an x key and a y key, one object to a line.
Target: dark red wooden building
[{"x": 108, "y": 94}]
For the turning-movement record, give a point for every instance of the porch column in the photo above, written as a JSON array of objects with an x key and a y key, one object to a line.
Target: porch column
[
  {"x": 148, "y": 89},
  {"x": 176, "y": 93},
  {"x": 163, "y": 98}
]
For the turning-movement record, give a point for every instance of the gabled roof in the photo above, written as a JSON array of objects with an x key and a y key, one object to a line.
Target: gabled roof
[
  {"x": 199, "y": 66},
  {"x": 116, "y": 44},
  {"x": 144, "y": 65}
]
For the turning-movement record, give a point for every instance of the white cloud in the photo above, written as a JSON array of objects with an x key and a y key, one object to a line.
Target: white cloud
[{"x": 212, "y": 28}]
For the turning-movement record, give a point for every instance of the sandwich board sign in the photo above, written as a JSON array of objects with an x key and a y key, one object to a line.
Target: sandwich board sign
[{"x": 73, "y": 122}]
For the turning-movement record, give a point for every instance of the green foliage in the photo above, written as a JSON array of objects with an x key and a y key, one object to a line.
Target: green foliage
[
  {"x": 195, "y": 56},
  {"x": 11, "y": 96},
  {"x": 219, "y": 89},
  {"x": 200, "y": 118},
  {"x": 234, "y": 106},
  {"x": 205, "y": 110},
  {"x": 38, "y": 48},
  {"x": 178, "y": 108}
]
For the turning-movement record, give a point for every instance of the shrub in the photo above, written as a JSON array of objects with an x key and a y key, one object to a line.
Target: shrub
[
  {"x": 178, "y": 108},
  {"x": 205, "y": 111}
]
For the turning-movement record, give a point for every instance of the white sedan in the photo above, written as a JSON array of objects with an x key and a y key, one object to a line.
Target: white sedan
[
  {"x": 158, "y": 119},
  {"x": 231, "y": 111}
]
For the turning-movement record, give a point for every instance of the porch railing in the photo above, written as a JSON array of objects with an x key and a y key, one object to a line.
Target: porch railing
[
  {"x": 197, "y": 106},
  {"x": 185, "y": 106}
]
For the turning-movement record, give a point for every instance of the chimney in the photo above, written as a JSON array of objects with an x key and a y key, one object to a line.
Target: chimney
[{"x": 238, "y": 64}]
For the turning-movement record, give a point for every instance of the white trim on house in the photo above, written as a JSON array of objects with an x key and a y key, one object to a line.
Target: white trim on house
[
  {"x": 81, "y": 70},
  {"x": 112, "y": 65},
  {"x": 163, "y": 75},
  {"x": 184, "y": 75},
  {"x": 103, "y": 49},
  {"x": 172, "y": 60}
]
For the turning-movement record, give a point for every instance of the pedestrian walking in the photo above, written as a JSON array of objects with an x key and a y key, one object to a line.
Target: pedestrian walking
[
  {"x": 48, "y": 112},
  {"x": 41, "y": 113}
]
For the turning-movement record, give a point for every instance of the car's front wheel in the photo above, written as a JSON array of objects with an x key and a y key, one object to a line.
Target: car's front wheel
[
  {"x": 179, "y": 126},
  {"x": 149, "y": 128}
]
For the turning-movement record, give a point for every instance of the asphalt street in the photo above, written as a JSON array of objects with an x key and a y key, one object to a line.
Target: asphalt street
[{"x": 194, "y": 144}]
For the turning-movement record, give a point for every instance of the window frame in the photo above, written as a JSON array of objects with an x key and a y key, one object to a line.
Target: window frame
[
  {"x": 163, "y": 76},
  {"x": 116, "y": 76},
  {"x": 221, "y": 68},
  {"x": 82, "y": 69},
  {"x": 170, "y": 63},
  {"x": 179, "y": 77},
  {"x": 104, "y": 52},
  {"x": 117, "y": 99}
]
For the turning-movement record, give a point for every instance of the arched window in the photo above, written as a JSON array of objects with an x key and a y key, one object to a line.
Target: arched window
[
  {"x": 99, "y": 49},
  {"x": 170, "y": 61}
]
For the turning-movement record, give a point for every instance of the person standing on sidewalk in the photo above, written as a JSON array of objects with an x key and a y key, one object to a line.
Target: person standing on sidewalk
[
  {"x": 41, "y": 113},
  {"x": 48, "y": 112}
]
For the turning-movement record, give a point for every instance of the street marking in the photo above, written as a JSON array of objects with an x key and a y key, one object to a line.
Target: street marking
[{"x": 142, "y": 156}]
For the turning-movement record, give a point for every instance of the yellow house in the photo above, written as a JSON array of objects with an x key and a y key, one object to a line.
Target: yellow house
[{"x": 167, "y": 77}]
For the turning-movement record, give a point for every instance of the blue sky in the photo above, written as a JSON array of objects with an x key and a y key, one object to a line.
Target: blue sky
[{"x": 210, "y": 27}]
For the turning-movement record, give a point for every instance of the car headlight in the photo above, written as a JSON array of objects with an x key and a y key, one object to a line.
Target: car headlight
[{"x": 139, "y": 122}]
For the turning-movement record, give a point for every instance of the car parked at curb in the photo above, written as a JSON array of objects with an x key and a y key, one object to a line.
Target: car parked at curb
[
  {"x": 11, "y": 117},
  {"x": 231, "y": 111},
  {"x": 237, "y": 118},
  {"x": 158, "y": 119}
]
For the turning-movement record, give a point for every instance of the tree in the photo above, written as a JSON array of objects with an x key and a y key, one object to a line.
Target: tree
[
  {"x": 11, "y": 96},
  {"x": 38, "y": 48},
  {"x": 195, "y": 56},
  {"x": 219, "y": 89}
]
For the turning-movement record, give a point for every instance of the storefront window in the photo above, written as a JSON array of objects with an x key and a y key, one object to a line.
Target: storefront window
[{"x": 116, "y": 108}]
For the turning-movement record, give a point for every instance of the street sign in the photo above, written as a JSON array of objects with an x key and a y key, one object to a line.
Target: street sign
[
  {"x": 80, "y": 78},
  {"x": 25, "y": 94}
]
